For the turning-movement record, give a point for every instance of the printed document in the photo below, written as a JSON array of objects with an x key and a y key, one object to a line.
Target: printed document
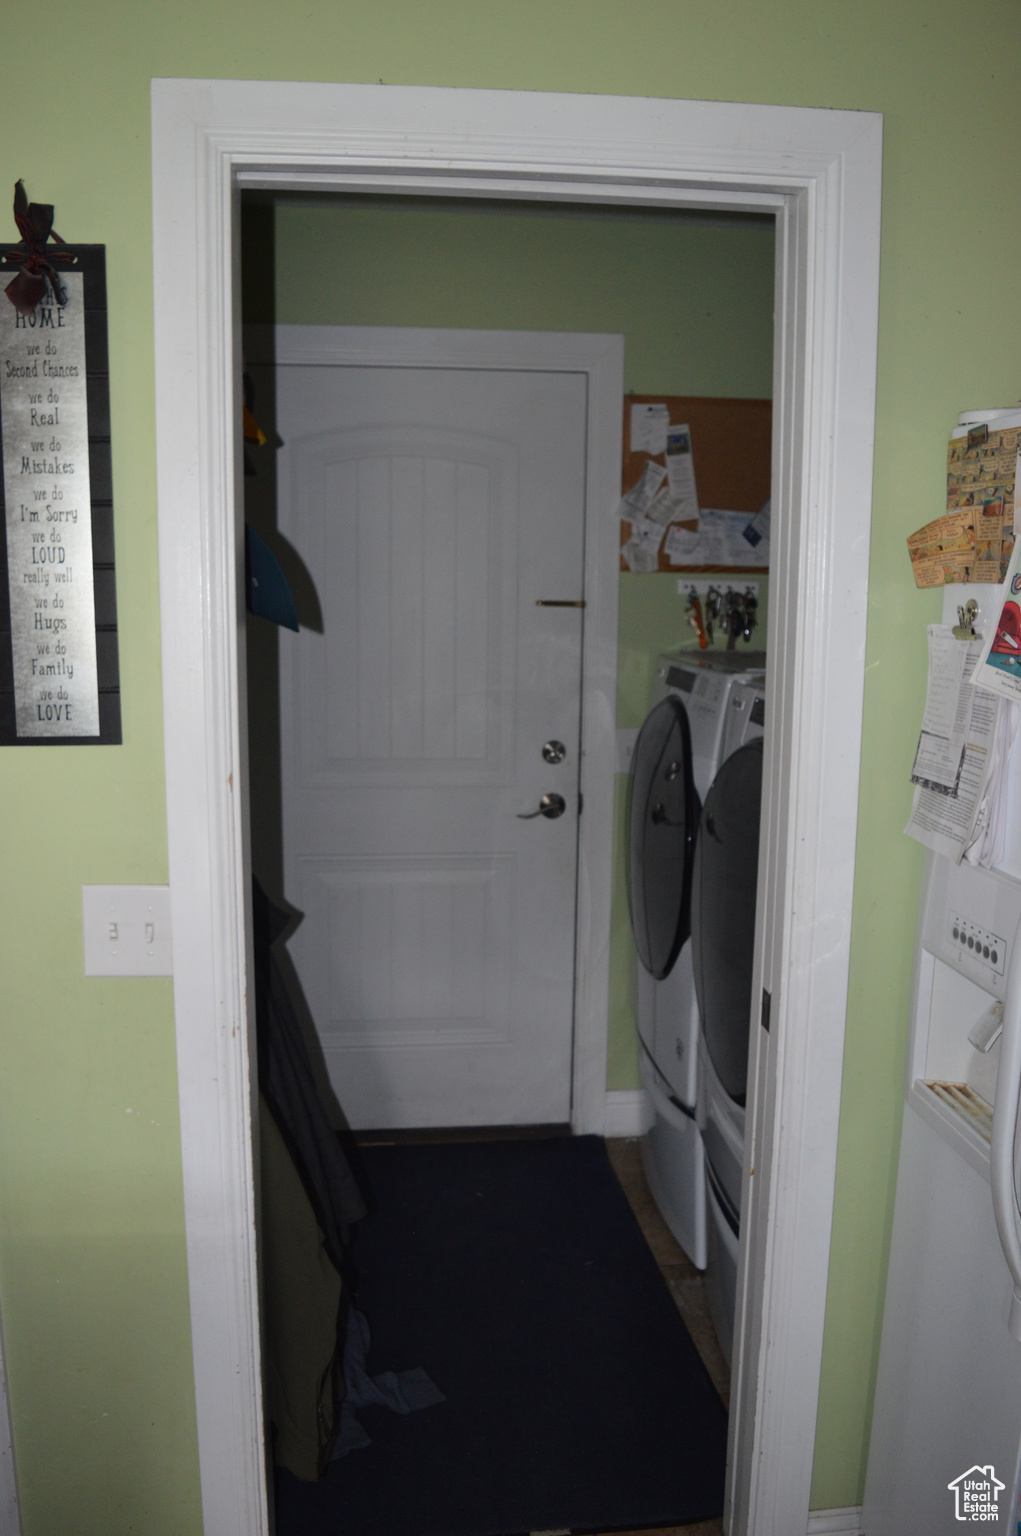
[
  {"x": 946, "y": 821},
  {"x": 649, "y": 425}
]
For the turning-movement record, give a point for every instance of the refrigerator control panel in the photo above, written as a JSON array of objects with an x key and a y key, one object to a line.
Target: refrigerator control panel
[
  {"x": 971, "y": 918},
  {"x": 969, "y": 937}
]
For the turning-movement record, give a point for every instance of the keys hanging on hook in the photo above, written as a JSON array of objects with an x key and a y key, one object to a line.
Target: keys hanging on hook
[
  {"x": 713, "y": 600},
  {"x": 732, "y": 622},
  {"x": 751, "y": 613}
]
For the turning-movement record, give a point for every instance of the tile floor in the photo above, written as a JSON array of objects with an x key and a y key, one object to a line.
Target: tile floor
[{"x": 687, "y": 1286}]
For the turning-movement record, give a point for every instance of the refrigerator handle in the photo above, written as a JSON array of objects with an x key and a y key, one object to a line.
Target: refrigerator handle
[{"x": 1005, "y": 1115}]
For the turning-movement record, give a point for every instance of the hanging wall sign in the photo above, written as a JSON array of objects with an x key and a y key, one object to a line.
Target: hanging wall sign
[{"x": 58, "y": 632}]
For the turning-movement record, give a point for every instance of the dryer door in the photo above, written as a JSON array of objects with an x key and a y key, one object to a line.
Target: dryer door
[
  {"x": 723, "y": 913},
  {"x": 662, "y": 820}
]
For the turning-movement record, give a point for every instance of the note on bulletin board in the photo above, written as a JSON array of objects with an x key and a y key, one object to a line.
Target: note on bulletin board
[{"x": 696, "y": 483}]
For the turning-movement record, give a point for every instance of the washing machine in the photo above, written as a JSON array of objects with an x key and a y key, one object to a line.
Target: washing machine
[
  {"x": 678, "y": 751},
  {"x": 723, "y": 899}
]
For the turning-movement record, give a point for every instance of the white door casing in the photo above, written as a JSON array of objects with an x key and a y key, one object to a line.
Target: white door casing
[
  {"x": 819, "y": 171},
  {"x": 434, "y": 501}
]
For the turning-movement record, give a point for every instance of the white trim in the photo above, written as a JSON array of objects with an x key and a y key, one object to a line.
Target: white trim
[
  {"x": 601, "y": 359},
  {"x": 827, "y": 282},
  {"x": 820, "y": 172},
  {"x": 628, "y": 1112},
  {"x": 836, "y": 1522}
]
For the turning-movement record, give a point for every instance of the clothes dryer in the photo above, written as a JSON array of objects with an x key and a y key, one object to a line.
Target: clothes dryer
[
  {"x": 676, "y": 756},
  {"x": 723, "y": 901}
]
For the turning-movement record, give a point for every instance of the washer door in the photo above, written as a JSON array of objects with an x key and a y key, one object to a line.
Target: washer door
[
  {"x": 662, "y": 820},
  {"x": 723, "y": 914}
]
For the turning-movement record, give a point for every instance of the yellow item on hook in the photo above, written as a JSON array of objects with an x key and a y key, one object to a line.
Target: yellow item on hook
[{"x": 253, "y": 432}]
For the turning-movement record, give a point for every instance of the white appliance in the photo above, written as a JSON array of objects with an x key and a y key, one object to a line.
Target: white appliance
[
  {"x": 723, "y": 940},
  {"x": 946, "y": 1427},
  {"x": 676, "y": 757}
]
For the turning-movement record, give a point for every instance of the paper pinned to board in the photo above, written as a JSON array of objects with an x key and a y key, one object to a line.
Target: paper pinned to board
[
  {"x": 680, "y": 465},
  {"x": 649, "y": 424},
  {"x": 661, "y": 508},
  {"x": 641, "y": 552},
  {"x": 719, "y": 540},
  {"x": 949, "y": 823},
  {"x": 757, "y": 529},
  {"x": 636, "y": 502},
  {"x": 683, "y": 545}
]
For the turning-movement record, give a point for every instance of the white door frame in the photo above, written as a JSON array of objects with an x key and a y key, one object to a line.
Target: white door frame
[
  {"x": 601, "y": 360},
  {"x": 819, "y": 172}
]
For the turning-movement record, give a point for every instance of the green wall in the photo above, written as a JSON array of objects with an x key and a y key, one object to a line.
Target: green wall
[
  {"x": 91, "y": 1232},
  {"x": 691, "y": 295}
]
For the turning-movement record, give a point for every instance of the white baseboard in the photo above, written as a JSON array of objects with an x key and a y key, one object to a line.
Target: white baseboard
[
  {"x": 835, "y": 1522},
  {"x": 628, "y": 1112}
]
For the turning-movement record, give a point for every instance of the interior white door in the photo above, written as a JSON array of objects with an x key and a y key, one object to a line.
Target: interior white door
[{"x": 435, "y": 509}]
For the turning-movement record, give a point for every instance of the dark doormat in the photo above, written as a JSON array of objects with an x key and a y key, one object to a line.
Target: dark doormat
[{"x": 515, "y": 1273}]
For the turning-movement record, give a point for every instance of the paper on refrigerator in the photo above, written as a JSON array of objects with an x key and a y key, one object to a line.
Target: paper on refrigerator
[
  {"x": 999, "y": 662},
  {"x": 989, "y": 834},
  {"x": 941, "y": 741},
  {"x": 974, "y": 539},
  {"x": 945, "y": 821}
]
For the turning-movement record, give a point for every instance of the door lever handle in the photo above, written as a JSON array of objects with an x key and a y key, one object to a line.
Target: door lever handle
[{"x": 550, "y": 806}]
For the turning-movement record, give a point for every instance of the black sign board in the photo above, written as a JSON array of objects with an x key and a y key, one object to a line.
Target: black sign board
[{"x": 59, "y": 674}]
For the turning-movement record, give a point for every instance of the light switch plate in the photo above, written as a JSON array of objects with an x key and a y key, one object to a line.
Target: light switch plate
[{"x": 127, "y": 930}]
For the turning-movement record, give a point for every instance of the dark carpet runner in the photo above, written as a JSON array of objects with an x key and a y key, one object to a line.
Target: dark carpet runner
[{"x": 515, "y": 1273}]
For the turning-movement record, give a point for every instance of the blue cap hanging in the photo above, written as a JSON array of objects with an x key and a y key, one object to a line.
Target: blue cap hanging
[{"x": 268, "y": 594}]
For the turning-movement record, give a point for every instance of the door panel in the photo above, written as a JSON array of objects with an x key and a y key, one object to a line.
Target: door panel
[
  {"x": 413, "y": 546},
  {"x": 433, "y": 507}
]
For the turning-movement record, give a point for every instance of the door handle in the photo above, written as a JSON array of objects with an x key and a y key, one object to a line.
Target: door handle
[{"x": 550, "y": 806}]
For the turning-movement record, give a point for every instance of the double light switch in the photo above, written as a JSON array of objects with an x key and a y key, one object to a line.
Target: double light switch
[{"x": 127, "y": 930}]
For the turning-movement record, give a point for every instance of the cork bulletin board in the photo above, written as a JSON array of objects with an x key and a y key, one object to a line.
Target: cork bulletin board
[{"x": 730, "y": 444}]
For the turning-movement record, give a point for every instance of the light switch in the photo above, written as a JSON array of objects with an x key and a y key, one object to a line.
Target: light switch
[{"x": 127, "y": 930}]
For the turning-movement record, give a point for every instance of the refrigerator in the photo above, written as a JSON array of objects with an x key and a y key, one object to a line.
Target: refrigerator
[{"x": 945, "y": 1447}]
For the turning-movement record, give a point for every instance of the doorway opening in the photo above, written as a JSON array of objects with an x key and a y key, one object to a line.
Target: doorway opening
[{"x": 340, "y": 494}]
